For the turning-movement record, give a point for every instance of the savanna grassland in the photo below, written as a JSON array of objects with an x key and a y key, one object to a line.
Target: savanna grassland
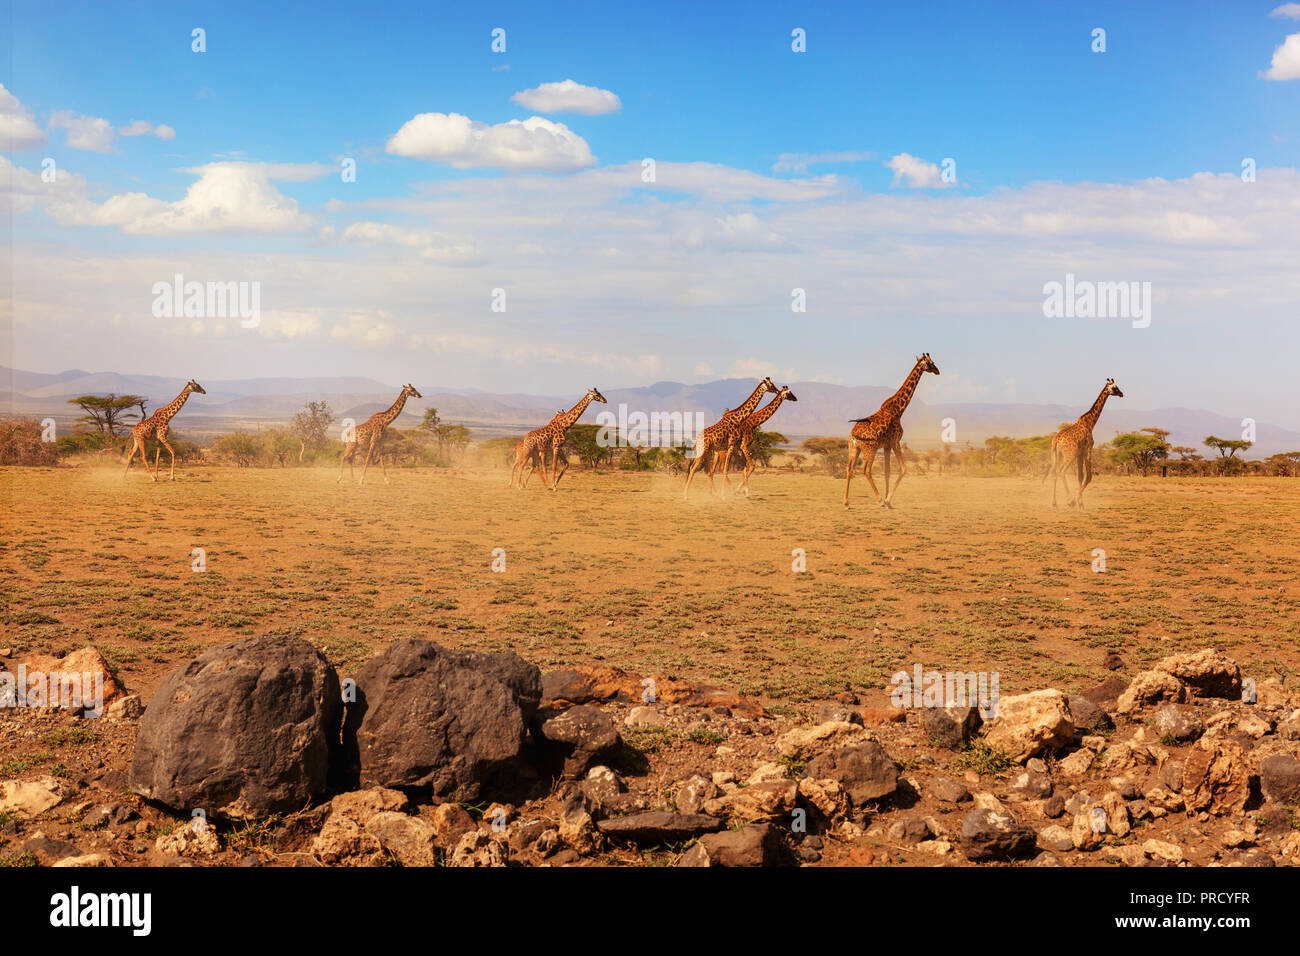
[{"x": 964, "y": 574}]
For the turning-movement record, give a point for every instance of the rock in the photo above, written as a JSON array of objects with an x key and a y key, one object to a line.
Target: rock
[
  {"x": 577, "y": 739},
  {"x": 1089, "y": 827},
  {"x": 995, "y": 835},
  {"x": 693, "y": 793},
  {"x": 454, "y": 721},
  {"x": 658, "y": 827},
  {"x": 27, "y": 799},
  {"x": 245, "y": 729},
  {"x": 879, "y": 716},
  {"x": 89, "y": 859},
  {"x": 79, "y": 681},
  {"x": 948, "y": 790},
  {"x": 1179, "y": 721},
  {"x": 1279, "y": 778},
  {"x": 937, "y": 847},
  {"x": 1112, "y": 662},
  {"x": 191, "y": 839},
  {"x": 1208, "y": 673},
  {"x": 1054, "y": 806},
  {"x": 1028, "y": 725},
  {"x": 1031, "y": 784},
  {"x": 1215, "y": 778},
  {"x": 697, "y": 855},
  {"x": 1165, "y": 799},
  {"x": 1046, "y": 859},
  {"x": 838, "y": 712},
  {"x": 1076, "y": 764},
  {"x": 1106, "y": 694},
  {"x": 1086, "y": 715},
  {"x": 1150, "y": 687},
  {"x": 450, "y": 817},
  {"x": 910, "y": 830},
  {"x": 1126, "y": 787},
  {"x": 479, "y": 849},
  {"x": 864, "y": 771},
  {"x": 105, "y": 814},
  {"x": 345, "y": 838},
  {"x": 1255, "y": 726},
  {"x": 827, "y": 797},
  {"x": 1171, "y": 774},
  {"x": 951, "y": 726},
  {"x": 586, "y": 685},
  {"x": 125, "y": 708},
  {"x": 644, "y": 717},
  {"x": 47, "y": 849},
  {"x": 1160, "y": 850},
  {"x": 1129, "y": 854},
  {"x": 757, "y": 845},
  {"x": 409, "y": 839},
  {"x": 806, "y": 741},
  {"x": 760, "y": 801},
  {"x": 1055, "y": 837},
  {"x": 1289, "y": 728}
]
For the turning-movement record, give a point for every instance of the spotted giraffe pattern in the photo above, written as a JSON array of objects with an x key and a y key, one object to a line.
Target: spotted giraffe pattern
[
  {"x": 745, "y": 436},
  {"x": 550, "y": 437},
  {"x": 369, "y": 434},
  {"x": 884, "y": 430},
  {"x": 1072, "y": 448},
  {"x": 717, "y": 438},
  {"x": 156, "y": 427}
]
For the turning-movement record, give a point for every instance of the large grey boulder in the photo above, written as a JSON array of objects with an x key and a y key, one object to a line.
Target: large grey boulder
[
  {"x": 245, "y": 730},
  {"x": 449, "y": 720}
]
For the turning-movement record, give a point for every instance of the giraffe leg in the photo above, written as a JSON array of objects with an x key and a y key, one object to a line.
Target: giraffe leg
[
  {"x": 749, "y": 469},
  {"x": 1081, "y": 481},
  {"x": 726, "y": 463},
  {"x": 134, "y": 445},
  {"x": 171, "y": 452},
  {"x": 870, "y": 463},
  {"x": 564, "y": 461},
  {"x": 1069, "y": 498},
  {"x": 1054, "y": 470},
  {"x": 366, "y": 467},
  {"x": 902, "y": 470},
  {"x": 690, "y": 472},
  {"x": 884, "y": 501},
  {"x": 349, "y": 449},
  {"x": 855, "y": 452},
  {"x": 383, "y": 464},
  {"x": 1087, "y": 476}
]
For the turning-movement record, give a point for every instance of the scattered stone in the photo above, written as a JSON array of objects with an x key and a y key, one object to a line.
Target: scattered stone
[
  {"x": 1215, "y": 778},
  {"x": 578, "y": 739},
  {"x": 806, "y": 741},
  {"x": 1106, "y": 694},
  {"x": 1179, "y": 721},
  {"x": 245, "y": 729},
  {"x": 995, "y": 835},
  {"x": 948, "y": 790},
  {"x": 644, "y": 717},
  {"x": 1209, "y": 673},
  {"x": 1054, "y": 806},
  {"x": 84, "y": 681},
  {"x": 757, "y": 845},
  {"x": 951, "y": 726},
  {"x": 1031, "y": 784},
  {"x": 838, "y": 713},
  {"x": 1150, "y": 687},
  {"x": 1160, "y": 850},
  {"x": 658, "y": 826},
  {"x": 910, "y": 830},
  {"x": 1086, "y": 715},
  {"x": 1055, "y": 837},
  {"x": 1076, "y": 764},
  {"x": 864, "y": 771},
  {"x": 1279, "y": 779},
  {"x": 189, "y": 839},
  {"x": 479, "y": 848},
  {"x": 125, "y": 708},
  {"x": 27, "y": 799},
  {"x": 410, "y": 840},
  {"x": 1028, "y": 725}
]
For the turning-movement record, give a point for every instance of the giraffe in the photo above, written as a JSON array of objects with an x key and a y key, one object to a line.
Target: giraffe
[
  {"x": 369, "y": 434},
  {"x": 552, "y": 436},
  {"x": 884, "y": 430},
  {"x": 155, "y": 426},
  {"x": 1072, "y": 446},
  {"x": 749, "y": 429},
  {"x": 530, "y": 448},
  {"x": 717, "y": 436}
]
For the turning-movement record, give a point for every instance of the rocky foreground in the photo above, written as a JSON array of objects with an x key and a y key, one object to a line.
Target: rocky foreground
[{"x": 258, "y": 753}]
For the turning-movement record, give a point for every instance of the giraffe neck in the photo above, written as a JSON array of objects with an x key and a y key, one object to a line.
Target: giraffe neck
[
  {"x": 766, "y": 412},
  {"x": 903, "y": 397},
  {"x": 1090, "y": 417},
  {"x": 165, "y": 413},
  {"x": 751, "y": 403},
  {"x": 396, "y": 408},
  {"x": 572, "y": 415}
]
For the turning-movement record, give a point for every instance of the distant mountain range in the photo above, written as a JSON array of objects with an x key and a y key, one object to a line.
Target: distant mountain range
[{"x": 822, "y": 409}]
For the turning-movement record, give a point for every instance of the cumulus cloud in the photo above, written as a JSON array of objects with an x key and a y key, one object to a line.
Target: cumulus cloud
[
  {"x": 145, "y": 128},
  {"x": 1289, "y": 10},
  {"x": 84, "y": 132},
  {"x": 1286, "y": 60},
  {"x": 534, "y": 144},
  {"x": 915, "y": 173},
  {"x": 568, "y": 97},
  {"x": 799, "y": 162},
  {"x": 18, "y": 129},
  {"x": 226, "y": 198}
]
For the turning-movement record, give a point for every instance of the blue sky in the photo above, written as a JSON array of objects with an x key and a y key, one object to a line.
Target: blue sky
[{"x": 776, "y": 170}]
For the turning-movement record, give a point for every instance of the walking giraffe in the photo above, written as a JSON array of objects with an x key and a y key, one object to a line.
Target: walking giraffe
[
  {"x": 369, "y": 433},
  {"x": 884, "y": 430},
  {"x": 155, "y": 426},
  {"x": 529, "y": 447},
  {"x": 718, "y": 436},
  {"x": 1072, "y": 445},
  {"x": 747, "y": 434},
  {"x": 551, "y": 436}
]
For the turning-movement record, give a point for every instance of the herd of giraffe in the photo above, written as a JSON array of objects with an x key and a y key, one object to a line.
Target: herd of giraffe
[{"x": 735, "y": 432}]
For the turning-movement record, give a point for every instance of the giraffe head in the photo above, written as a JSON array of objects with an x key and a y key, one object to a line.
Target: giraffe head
[
  {"x": 594, "y": 394},
  {"x": 785, "y": 394},
  {"x": 927, "y": 363},
  {"x": 409, "y": 389},
  {"x": 768, "y": 386},
  {"x": 194, "y": 386},
  {"x": 1113, "y": 389}
]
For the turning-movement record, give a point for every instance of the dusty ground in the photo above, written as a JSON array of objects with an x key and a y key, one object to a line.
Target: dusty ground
[{"x": 964, "y": 574}]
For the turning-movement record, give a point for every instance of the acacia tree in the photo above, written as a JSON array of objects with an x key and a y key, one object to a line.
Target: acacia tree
[
  {"x": 309, "y": 426},
  {"x": 1227, "y": 449},
  {"x": 1142, "y": 448},
  {"x": 106, "y": 412}
]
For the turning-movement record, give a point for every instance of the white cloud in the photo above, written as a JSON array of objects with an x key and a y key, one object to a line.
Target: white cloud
[
  {"x": 568, "y": 97},
  {"x": 429, "y": 244},
  {"x": 753, "y": 368},
  {"x": 144, "y": 127},
  {"x": 713, "y": 182},
  {"x": 226, "y": 198},
  {"x": 18, "y": 129},
  {"x": 1286, "y": 60},
  {"x": 1289, "y": 10},
  {"x": 915, "y": 173},
  {"x": 799, "y": 162},
  {"x": 84, "y": 132},
  {"x": 534, "y": 144}
]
